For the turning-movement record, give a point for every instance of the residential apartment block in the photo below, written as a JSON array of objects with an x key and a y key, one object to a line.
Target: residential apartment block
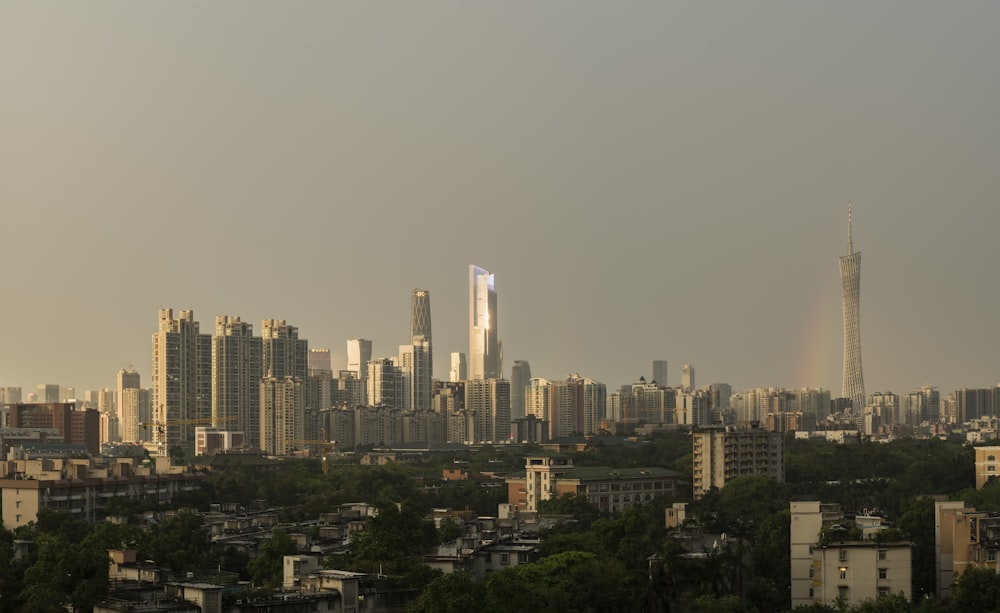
[{"x": 723, "y": 453}]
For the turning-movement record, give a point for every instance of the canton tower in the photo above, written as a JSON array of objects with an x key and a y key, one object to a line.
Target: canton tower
[{"x": 853, "y": 385}]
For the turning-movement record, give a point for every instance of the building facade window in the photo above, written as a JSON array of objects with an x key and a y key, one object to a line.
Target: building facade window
[
  {"x": 843, "y": 572},
  {"x": 843, "y": 555}
]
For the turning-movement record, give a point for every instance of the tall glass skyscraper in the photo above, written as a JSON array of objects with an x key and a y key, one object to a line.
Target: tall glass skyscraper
[
  {"x": 484, "y": 348},
  {"x": 853, "y": 383}
]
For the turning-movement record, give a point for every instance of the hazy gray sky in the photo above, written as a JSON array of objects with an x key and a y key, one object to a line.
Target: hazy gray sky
[{"x": 646, "y": 180}]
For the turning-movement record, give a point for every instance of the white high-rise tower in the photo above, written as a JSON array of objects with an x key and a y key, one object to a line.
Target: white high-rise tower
[
  {"x": 484, "y": 348},
  {"x": 853, "y": 383}
]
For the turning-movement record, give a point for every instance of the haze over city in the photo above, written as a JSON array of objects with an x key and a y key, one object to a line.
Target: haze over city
[{"x": 646, "y": 182}]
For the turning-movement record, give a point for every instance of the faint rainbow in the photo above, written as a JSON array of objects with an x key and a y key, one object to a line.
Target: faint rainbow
[{"x": 819, "y": 363}]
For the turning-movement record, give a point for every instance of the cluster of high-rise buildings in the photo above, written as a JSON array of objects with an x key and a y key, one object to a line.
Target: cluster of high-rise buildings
[{"x": 271, "y": 392}]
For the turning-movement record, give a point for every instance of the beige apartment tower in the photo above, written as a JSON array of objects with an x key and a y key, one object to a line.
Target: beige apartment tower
[{"x": 721, "y": 454}]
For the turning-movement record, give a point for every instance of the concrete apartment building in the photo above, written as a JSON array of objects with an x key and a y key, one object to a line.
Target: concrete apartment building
[
  {"x": 826, "y": 571},
  {"x": 721, "y": 454},
  {"x": 963, "y": 538},
  {"x": 987, "y": 465},
  {"x": 82, "y": 486}
]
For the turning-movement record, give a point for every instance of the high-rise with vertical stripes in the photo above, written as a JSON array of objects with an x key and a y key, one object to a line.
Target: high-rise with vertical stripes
[
  {"x": 484, "y": 346},
  {"x": 853, "y": 382}
]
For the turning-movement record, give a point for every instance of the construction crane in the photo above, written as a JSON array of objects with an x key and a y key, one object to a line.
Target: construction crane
[{"x": 326, "y": 446}]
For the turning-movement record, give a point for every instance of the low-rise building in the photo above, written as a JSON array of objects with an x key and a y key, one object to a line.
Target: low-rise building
[
  {"x": 81, "y": 487},
  {"x": 608, "y": 489}
]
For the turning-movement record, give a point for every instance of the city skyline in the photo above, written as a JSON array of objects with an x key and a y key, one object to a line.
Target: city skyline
[{"x": 648, "y": 182}]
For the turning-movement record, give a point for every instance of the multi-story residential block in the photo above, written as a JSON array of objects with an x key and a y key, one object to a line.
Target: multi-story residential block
[
  {"x": 721, "y": 454},
  {"x": 282, "y": 415},
  {"x": 236, "y": 375},
  {"x": 129, "y": 400},
  {"x": 182, "y": 380},
  {"x": 489, "y": 399},
  {"x": 81, "y": 487},
  {"x": 648, "y": 403},
  {"x": 977, "y": 402},
  {"x": 963, "y": 538},
  {"x": 829, "y": 568},
  {"x": 692, "y": 408}
]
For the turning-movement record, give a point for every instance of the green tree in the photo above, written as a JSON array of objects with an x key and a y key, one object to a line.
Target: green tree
[
  {"x": 393, "y": 539},
  {"x": 449, "y": 530},
  {"x": 450, "y": 593},
  {"x": 266, "y": 568},
  {"x": 181, "y": 543},
  {"x": 977, "y": 589}
]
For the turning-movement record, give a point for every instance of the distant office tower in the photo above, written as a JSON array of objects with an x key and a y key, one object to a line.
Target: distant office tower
[
  {"x": 687, "y": 378},
  {"x": 721, "y": 393},
  {"x": 459, "y": 371},
  {"x": 853, "y": 385},
  {"x": 283, "y": 353},
  {"x": 385, "y": 383},
  {"x": 484, "y": 348},
  {"x": 420, "y": 314},
  {"x": 182, "y": 380},
  {"x": 489, "y": 399},
  {"x": 128, "y": 405},
  {"x": 10, "y": 395},
  {"x": 236, "y": 375},
  {"x": 106, "y": 401},
  {"x": 415, "y": 365},
  {"x": 359, "y": 353},
  {"x": 660, "y": 372},
  {"x": 520, "y": 375},
  {"x": 67, "y": 394},
  {"x": 282, "y": 415},
  {"x": 48, "y": 393},
  {"x": 319, "y": 361}
]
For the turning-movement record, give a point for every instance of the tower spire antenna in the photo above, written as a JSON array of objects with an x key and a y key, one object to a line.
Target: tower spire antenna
[{"x": 850, "y": 240}]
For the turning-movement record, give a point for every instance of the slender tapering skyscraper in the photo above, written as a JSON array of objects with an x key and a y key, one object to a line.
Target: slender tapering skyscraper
[
  {"x": 853, "y": 385},
  {"x": 420, "y": 314},
  {"x": 420, "y": 335},
  {"x": 484, "y": 348}
]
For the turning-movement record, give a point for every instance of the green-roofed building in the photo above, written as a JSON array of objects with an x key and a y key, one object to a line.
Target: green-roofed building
[{"x": 609, "y": 489}]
